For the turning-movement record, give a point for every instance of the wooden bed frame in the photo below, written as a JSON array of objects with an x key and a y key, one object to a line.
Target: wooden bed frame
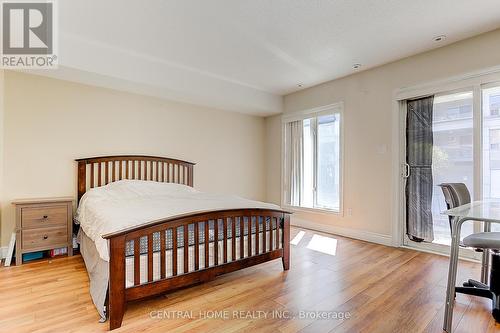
[{"x": 99, "y": 171}]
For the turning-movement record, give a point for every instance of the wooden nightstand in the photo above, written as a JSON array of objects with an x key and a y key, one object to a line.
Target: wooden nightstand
[{"x": 43, "y": 224}]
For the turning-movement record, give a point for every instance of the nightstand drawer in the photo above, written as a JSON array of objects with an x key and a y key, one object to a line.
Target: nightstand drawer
[
  {"x": 36, "y": 217},
  {"x": 45, "y": 237}
]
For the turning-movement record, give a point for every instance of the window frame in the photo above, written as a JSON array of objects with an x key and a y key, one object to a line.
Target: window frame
[{"x": 334, "y": 108}]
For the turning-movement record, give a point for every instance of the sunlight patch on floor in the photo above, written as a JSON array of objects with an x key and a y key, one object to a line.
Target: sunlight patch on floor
[
  {"x": 296, "y": 240},
  {"x": 327, "y": 245}
]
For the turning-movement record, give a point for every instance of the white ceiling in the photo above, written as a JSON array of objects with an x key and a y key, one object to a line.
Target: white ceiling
[{"x": 243, "y": 55}]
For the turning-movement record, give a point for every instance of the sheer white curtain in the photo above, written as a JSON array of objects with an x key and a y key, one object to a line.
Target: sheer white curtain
[{"x": 295, "y": 161}]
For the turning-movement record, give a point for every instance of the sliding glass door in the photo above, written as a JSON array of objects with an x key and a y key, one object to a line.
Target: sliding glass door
[{"x": 465, "y": 149}]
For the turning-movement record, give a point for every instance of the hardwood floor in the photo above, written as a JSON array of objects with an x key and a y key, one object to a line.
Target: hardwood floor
[{"x": 381, "y": 289}]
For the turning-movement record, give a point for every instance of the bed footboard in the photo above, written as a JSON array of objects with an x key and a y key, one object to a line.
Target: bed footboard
[{"x": 175, "y": 253}]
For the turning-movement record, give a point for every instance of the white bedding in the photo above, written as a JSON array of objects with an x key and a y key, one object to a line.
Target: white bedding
[{"x": 128, "y": 203}]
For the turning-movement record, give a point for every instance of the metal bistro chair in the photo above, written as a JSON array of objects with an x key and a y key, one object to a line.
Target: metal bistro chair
[{"x": 457, "y": 194}]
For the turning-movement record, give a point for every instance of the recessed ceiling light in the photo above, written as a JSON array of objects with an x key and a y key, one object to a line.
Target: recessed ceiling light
[
  {"x": 299, "y": 85},
  {"x": 356, "y": 66},
  {"x": 439, "y": 38}
]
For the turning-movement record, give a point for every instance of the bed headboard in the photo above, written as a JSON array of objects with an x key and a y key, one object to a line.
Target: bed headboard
[{"x": 99, "y": 171}]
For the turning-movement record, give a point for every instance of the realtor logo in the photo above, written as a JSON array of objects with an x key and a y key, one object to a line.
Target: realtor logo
[{"x": 28, "y": 35}]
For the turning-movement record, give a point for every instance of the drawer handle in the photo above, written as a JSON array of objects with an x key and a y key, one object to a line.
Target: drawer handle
[{"x": 45, "y": 237}]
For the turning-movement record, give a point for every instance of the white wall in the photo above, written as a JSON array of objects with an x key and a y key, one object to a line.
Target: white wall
[
  {"x": 273, "y": 158},
  {"x": 2, "y": 160},
  {"x": 49, "y": 123},
  {"x": 368, "y": 98}
]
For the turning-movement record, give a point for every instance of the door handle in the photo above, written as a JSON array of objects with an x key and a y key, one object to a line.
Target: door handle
[{"x": 406, "y": 173}]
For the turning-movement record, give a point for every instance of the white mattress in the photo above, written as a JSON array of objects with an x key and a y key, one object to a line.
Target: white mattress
[{"x": 128, "y": 203}]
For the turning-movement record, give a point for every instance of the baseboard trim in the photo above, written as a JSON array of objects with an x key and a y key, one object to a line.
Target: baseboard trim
[
  {"x": 366, "y": 236},
  {"x": 461, "y": 256}
]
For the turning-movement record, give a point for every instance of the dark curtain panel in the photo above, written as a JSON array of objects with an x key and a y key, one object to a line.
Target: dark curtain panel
[{"x": 419, "y": 143}]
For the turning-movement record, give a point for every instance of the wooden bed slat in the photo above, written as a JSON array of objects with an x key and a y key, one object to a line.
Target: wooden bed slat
[
  {"x": 264, "y": 230},
  {"x": 174, "y": 251},
  {"x": 207, "y": 245},
  {"x": 139, "y": 171},
  {"x": 137, "y": 261},
  {"x": 196, "y": 246},
  {"x": 190, "y": 180},
  {"x": 106, "y": 173},
  {"x": 99, "y": 176},
  {"x": 242, "y": 237},
  {"x": 163, "y": 172},
  {"x": 92, "y": 175},
  {"x": 216, "y": 242},
  {"x": 277, "y": 245},
  {"x": 163, "y": 250},
  {"x": 271, "y": 235},
  {"x": 249, "y": 237},
  {"x": 224, "y": 224},
  {"x": 157, "y": 170},
  {"x": 257, "y": 240},
  {"x": 233, "y": 239},
  {"x": 150, "y": 258},
  {"x": 120, "y": 170},
  {"x": 186, "y": 249}
]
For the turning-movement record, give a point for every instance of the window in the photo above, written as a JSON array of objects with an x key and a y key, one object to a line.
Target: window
[
  {"x": 494, "y": 105},
  {"x": 452, "y": 157},
  {"x": 491, "y": 140},
  {"x": 491, "y": 145},
  {"x": 494, "y": 140},
  {"x": 312, "y": 148}
]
